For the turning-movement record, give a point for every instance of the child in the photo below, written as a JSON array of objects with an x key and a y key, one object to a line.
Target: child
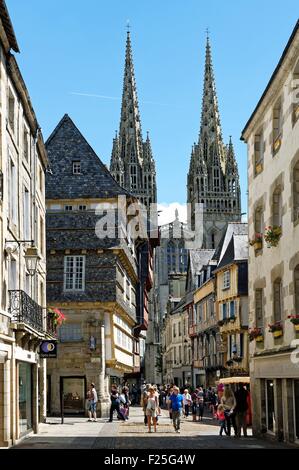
[{"x": 221, "y": 419}]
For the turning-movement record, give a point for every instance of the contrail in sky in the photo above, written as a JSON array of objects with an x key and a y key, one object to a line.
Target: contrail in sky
[{"x": 114, "y": 98}]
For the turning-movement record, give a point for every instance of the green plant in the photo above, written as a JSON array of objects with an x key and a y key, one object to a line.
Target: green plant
[
  {"x": 58, "y": 317},
  {"x": 277, "y": 326},
  {"x": 272, "y": 235},
  {"x": 294, "y": 319}
]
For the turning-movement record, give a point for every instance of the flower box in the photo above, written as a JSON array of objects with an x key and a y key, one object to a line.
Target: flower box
[
  {"x": 255, "y": 333},
  {"x": 277, "y": 144},
  {"x": 259, "y": 339},
  {"x": 276, "y": 329},
  {"x": 272, "y": 235},
  {"x": 278, "y": 333},
  {"x": 297, "y": 327},
  {"x": 294, "y": 319},
  {"x": 258, "y": 168}
]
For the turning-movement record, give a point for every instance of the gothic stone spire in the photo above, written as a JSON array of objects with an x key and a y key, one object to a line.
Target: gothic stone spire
[
  {"x": 210, "y": 178},
  {"x": 138, "y": 167}
]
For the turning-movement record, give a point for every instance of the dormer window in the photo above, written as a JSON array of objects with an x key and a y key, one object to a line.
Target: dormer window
[{"x": 77, "y": 168}]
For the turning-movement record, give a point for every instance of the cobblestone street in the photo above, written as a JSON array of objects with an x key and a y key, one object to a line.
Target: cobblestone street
[{"x": 80, "y": 434}]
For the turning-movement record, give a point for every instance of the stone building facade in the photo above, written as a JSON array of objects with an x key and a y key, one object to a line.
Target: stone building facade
[
  {"x": 272, "y": 137},
  {"x": 23, "y": 322},
  {"x": 93, "y": 279},
  {"x": 213, "y": 178}
]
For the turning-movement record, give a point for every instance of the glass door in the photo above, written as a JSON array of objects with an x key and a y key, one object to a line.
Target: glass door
[
  {"x": 25, "y": 397},
  {"x": 270, "y": 406}
]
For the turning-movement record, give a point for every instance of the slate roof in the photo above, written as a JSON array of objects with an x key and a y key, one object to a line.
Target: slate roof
[
  {"x": 64, "y": 146},
  {"x": 237, "y": 250},
  {"x": 233, "y": 228}
]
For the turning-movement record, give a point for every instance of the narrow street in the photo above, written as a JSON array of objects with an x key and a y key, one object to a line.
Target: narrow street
[{"x": 79, "y": 434}]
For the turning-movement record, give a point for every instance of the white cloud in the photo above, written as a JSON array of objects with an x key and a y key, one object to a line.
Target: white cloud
[{"x": 167, "y": 213}]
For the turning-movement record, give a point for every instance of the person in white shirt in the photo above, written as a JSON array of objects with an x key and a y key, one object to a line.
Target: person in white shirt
[
  {"x": 186, "y": 402},
  {"x": 92, "y": 403}
]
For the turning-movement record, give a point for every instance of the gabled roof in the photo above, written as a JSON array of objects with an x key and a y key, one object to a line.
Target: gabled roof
[
  {"x": 233, "y": 228},
  {"x": 64, "y": 146},
  {"x": 197, "y": 259},
  {"x": 236, "y": 251},
  {"x": 8, "y": 27}
]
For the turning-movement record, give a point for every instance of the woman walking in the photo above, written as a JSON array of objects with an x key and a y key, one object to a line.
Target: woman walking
[
  {"x": 152, "y": 409},
  {"x": 229, "y": 403},
  {"x": 187, "y": 402}
]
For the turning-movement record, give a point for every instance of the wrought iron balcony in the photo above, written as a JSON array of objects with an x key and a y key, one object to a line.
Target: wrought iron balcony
[
  {"x": 51, "y": 325},
  {"x": 25, "y": 310}
]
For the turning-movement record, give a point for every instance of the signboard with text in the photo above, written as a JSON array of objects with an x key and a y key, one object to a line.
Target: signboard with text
[{"x": 48, "y": 350}]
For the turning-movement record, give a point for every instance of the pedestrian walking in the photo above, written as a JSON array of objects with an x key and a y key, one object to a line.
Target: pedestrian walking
[
  {"x": 186, "y": 402},
  {"x": 221, "y": 419},
  {"x": 176, "y": 404},
  {"x": 92, "y": 403},
  {"x": 229, "y": 402},
  {"x": 144, "y": 399},
  {"x": 194, "y": 405},
  {"x": 115, "y": 404},
  {"x": 201, "y": 399},
  {"x": 241, "y": 396},
  {"x": 168, "y": 402},
  {"x": 152, "y": 409},
  {"x": 124, "y": 403}
]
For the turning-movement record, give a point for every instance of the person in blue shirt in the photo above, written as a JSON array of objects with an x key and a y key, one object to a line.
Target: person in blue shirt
[{"x": 176, "y": 405}]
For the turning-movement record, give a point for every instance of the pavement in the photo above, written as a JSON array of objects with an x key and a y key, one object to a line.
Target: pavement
[{"x": 77, "y": 433}]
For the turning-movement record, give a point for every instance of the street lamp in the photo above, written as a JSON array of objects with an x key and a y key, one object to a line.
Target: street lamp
[
  {"x": 31, "y": 260},
  {"x": 31, "y": 254}
]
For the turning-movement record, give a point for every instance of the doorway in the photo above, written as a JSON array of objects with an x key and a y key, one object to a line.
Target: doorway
[{"x": 73, "y": 390}]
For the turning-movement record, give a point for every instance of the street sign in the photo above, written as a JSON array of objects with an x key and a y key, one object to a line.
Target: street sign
[{"x": 48, "y": 350}]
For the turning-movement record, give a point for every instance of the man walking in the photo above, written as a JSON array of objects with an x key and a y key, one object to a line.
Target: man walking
[{"x": 176, "y": 405}]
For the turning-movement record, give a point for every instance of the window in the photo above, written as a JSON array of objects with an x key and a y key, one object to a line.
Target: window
[
  {"x": 26, "y": 144},
  {"x": 277, "y": 208},
  {"x": 180, "y": 329},
  {"x": 70, "y": 332},
  {"x": 42, "y": 235},
  {"x": 277, "y": 125},
  {"x": 296, "y": 191},
  {"x": 200, "y": 312},
  {"x": 82, "y": 208},
  {"x": 258, "y": 220},
  {"x": 216, "y": 178},
  {"x": 68, "y": 208},
  {"x": 224, "y": 311},
  {"x": 13, "y": 274},
  {"x": 133, "y": 176},
  {"x": 13, "y": 203},
  {"x": 232, "y": 309},
  {"x": 174, "y": 330},
  {"x": 277, "y": 300},
  {"x": 74, "y": 273},
  {"x": 11, "y": 111},
  {"x": 26, "y": 214},
  {"x": 41, "y": 180},
  {"x": 259, "y": 148},
  {"x": 295, "y": 86},
  {"x": 296, "y": 281},
  {"x": 77, "y": 168},
  {"x": 259, "y": 308},
  {"x": 226, "y": 280}
]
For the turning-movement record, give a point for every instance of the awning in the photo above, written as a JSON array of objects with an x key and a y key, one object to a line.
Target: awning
[{"x": 235, "y": 380}]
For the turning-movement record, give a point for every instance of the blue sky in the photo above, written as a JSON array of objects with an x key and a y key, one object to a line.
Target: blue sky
[{"x": 70, "y": 46}]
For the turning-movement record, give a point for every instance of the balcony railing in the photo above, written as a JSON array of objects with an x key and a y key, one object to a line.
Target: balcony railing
[
  {"x": 51, "y": 325},
  {"x": 25, "y": 310}
]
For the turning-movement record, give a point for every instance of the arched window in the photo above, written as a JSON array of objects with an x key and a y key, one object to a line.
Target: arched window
[
  {"x": 277, "y": 300},
  {"x": 216, "y": 175},
  {"x": 296, "y": 282},
  {"x": 205, "y": 149},
  {"x": 296, "y": 191},
  {"x": 277, "y": 125},
  {"x": 277, "y": 208}
]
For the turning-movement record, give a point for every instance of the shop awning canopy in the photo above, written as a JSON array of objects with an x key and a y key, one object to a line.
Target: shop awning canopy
[{"x": 235, "y": 380}]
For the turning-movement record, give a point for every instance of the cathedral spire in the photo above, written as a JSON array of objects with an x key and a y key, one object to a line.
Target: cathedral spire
[
  {"x": 210, "y": 136},
  {"x": 130, "y": 135},
  {"x": 231, "y": 163},
  {"x": 132, "y": 162}
]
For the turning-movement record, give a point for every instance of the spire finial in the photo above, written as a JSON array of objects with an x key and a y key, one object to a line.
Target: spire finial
[
  {"x": 128, "y": 27},
  {"x": 176, "y": 214}
]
